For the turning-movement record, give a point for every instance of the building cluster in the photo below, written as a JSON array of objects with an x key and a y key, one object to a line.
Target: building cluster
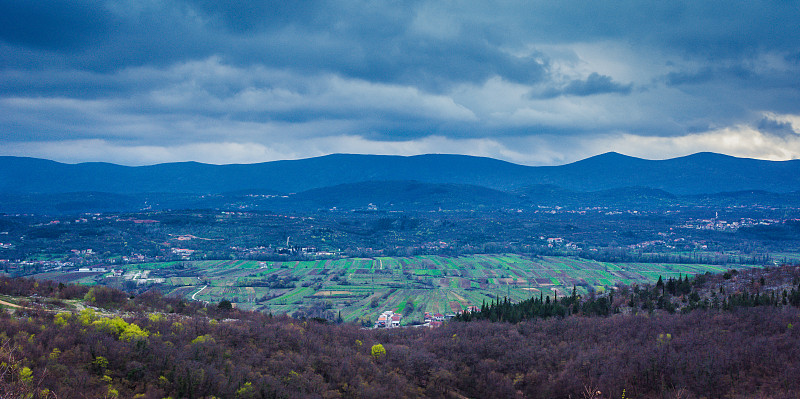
[
  {"x": 183, "y": 252},
  {"x": 388, "y": 319},
  {"x": 92, "y": 270},
  {"x": 30, "y": 266},
  {"x": 433, "y": 320},
  {"x": 722, "y": 225},
  {"x": 134, "y": 258},
  {"x": 553, "y": 242}
]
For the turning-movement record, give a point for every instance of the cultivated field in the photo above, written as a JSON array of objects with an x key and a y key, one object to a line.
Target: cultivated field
[{"x": 359, "y": 288}]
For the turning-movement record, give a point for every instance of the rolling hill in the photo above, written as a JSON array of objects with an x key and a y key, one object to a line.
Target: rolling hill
[
  {"x": 418, "y": 182},
  {"x": 702, "y": 173}
]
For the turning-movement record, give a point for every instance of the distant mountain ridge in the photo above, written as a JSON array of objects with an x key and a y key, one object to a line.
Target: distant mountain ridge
[{"x": 701, "y": 173}]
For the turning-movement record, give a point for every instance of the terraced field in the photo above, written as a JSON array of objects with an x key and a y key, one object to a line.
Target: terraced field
[{"x": 361, "y": 288}]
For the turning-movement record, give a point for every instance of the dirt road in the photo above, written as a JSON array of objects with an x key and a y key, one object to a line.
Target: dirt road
[{"x": 13, "y": 305}]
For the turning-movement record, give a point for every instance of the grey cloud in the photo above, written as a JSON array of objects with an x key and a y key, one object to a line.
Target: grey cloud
[
  {"x": 775, "y": 128},
  {"x": 375, "y": 41},
  {"x": 707, "y": 74},
  {"x": 359, "y": 40},
  {"x": 60, "y": 24},
  {"x": 596, "y": 84},
  {"x": 688, "y": 78},
  {"x": 702, "y": 29},
  {"x": 153, "y": 99},
  {"x": 134, "y": 70},
  {"x": 248, "y": 16},
  {"x": 592, "y": 85}
]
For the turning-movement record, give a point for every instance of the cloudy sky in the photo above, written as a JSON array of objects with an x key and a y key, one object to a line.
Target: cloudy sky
[{"x": 532, "y": 82}]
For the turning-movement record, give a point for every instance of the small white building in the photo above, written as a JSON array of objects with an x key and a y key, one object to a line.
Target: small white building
[{"x": 388, "y": 319}]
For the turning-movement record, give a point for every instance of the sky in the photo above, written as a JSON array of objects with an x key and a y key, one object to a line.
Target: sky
[{"x": 139, "y": 82}]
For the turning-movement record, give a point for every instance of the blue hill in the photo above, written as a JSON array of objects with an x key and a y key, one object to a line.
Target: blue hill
[{"x": 702, "y": 173}]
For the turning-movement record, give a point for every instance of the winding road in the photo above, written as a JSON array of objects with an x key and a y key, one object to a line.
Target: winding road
[{"x": 201, "y": 290}]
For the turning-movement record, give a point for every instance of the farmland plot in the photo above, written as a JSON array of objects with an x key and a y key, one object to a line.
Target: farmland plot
[{"x": 362, "y": 288}]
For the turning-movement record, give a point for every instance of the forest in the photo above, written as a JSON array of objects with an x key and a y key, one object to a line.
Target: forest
[
  {"x": 71, "y": 341},
  {"x": 706, "y": 291}
]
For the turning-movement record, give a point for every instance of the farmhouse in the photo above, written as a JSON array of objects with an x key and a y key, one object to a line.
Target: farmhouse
[
  {"x": 435, "y": 324},
  {"x": 182, "y": 252},
  {"x": 388, "y": 319}
]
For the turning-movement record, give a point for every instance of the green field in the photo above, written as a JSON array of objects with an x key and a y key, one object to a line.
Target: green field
[{"x": 431, "y": 283}]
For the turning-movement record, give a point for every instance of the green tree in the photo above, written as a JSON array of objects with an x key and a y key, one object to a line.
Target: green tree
[
  {"x": 26, "y": 375},
  {"x": 225, "y": 305},
  {"x": 378, "y": 351}
]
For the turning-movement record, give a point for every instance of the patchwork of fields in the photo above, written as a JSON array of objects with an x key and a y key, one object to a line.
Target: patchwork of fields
[{"x": 363, "y": 288}]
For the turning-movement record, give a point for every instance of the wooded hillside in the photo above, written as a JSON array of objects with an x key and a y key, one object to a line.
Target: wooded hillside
[{"x": 156, "y": 347}]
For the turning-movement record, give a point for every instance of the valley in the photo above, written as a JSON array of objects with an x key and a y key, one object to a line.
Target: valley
[
  {"x": 359, "y": 289},
  {"x": 352, "y": 265},
  {"x": 513, "y": 282}
]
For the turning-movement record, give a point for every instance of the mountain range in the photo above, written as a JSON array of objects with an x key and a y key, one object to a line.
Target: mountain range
[{"x": 425, "y": 181}]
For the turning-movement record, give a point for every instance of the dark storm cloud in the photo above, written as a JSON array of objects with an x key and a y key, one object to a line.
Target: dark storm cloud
[
  {"x": 245, "y": 70},
  {"x": 52, "y": 24},
  {"x": 707, "y": 29},
  {"x": 359, "y": 40},
  {"x": 282, "y": 33},
  {"x": 377, "y": 42}
]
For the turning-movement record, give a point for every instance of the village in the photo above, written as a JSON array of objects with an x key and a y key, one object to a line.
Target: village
[{"x": 390, "y": 319}]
